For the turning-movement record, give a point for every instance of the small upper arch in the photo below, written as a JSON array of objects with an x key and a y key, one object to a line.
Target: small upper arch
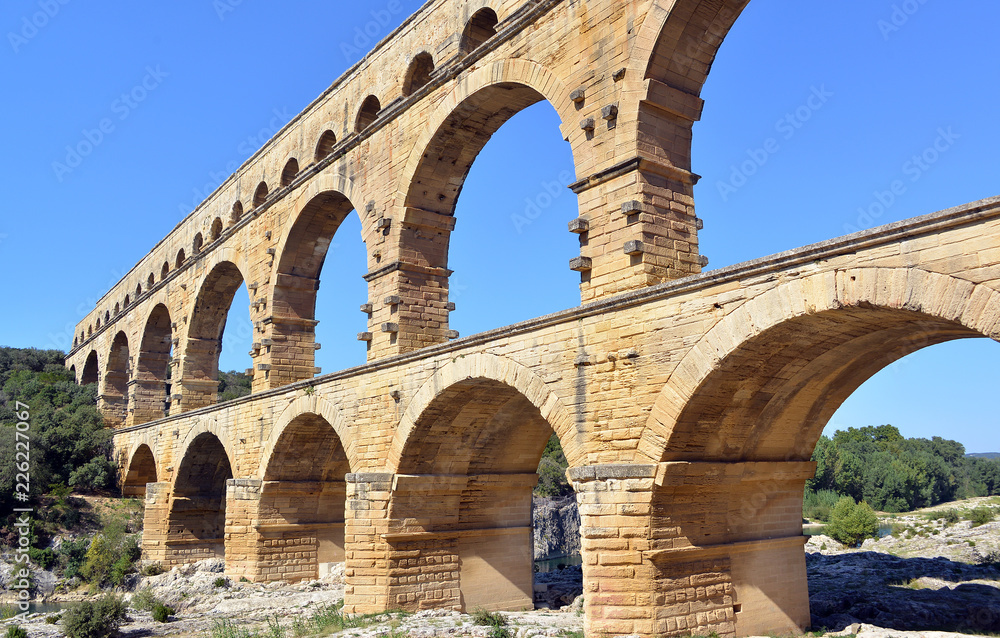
[
  {"x": 260, "y": 194},
  {"x": 368, "y": 113},
  {"x": 481, "y": 27},
  {"x": 216, "y": 228},
  {"x": 419, "y": 73},
  {"x": 289, "y": 172},
  {"x": 180, "y": 258},
  {"x": 325, "y": 144},
  {"x": 165, "y": 270},
  {"x": 237, "y": 212}
]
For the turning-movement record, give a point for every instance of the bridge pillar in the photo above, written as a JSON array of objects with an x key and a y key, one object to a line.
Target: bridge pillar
[
  {"x": 113, "y": 407},
  {"x": 639, "y": 228},
  {"x": 148, "y": 402},
  {"x": 366, "y": 588},
  {"x": 283, "y": 530},
  {"x": 408, "y": 289},
  {"x": 681, "y": 548},
  {"x": 156, "y": 522},
  {"x": 289, "y": 354}
]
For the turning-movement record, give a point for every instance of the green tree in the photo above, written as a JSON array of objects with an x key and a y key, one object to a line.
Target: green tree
[{"x": 851, "y": 523}]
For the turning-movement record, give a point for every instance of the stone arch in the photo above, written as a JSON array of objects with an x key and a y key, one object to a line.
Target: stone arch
[
  {"x": 325, "y": 144},
  {"x": 260, "y": 194},
  {"x": 481, "y": 27},
  {"x": 114, "y": 394},
  {"x": 833, "y": 332},
  {"x": 216, "y": 230},
  {"x": 300, "y": 256},
  {"x": 497, "y": 91},
  {"x": 91, "y": 369},
  {"x": 289, "y": 172},
  {"x": 150, "y": 280},
  {"x": 303, "y": 493},
  {"x": 367, "y": 113},
  {"x": 152, "y": 378},
  {"x": 216, "y": 294},
  {"x": 197, "y": 517},
  {"x": 181, "y": 257},
  {"x": 141, "y": 469},
  {"x": 418, "y": 73},
  {"x": 237, "y": 212},
  {"x": 465, "y": 456},
  {"x": 164, "y": 270},
  {"x": 197, "y": 243},
  {"x": 309, "y": 405},
  {"x": 502, "y": 371}
]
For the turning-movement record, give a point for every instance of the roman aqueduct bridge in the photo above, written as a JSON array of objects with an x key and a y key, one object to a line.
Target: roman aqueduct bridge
[{"x": 687, "y": 403}]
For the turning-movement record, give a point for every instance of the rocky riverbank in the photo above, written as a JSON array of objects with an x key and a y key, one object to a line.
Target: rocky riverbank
[{"x": 928, "y": 577}]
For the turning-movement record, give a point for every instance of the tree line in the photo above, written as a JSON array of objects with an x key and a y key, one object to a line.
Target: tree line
[{"x": 877, "y": 465}]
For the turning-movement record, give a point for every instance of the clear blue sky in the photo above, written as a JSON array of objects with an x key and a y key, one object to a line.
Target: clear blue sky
[{"x": 221, "y": 77}]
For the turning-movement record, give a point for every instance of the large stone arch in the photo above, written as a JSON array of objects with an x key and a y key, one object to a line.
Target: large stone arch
[
  {"x": 153, "y": 375},
  {"x": 91, "y": 369},
  {"x": 504, "y": 371},
  {"x": 318, "y": 213},
  {"x": 216, "y": 292},
  {"x": 114, "y": 393},
  {"x": 141, "y": 469},
  {"x": 197, "y": 516},
  {"x": 466, "y": 455},
  {"x": 299, "y": 515},
  {"x": 919, "y": 308},
  {"x": 316, "y": 405}
]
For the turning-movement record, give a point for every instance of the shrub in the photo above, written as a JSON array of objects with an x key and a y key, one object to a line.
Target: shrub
[
  {"x": 851, "y": 523},
  {"x": 43, "y": 558},
  {"x": 144, "y": 600},
  {"x": 981, "y": 515},
  {"x": 162, "y": 613},
  {"x": 153, "y": 569},
  {"x": 94, "y": 619},
  {"x": 16, "y": 631},
  {"x": 817, "y": 506},
  {"x": 949, "y": 516},
  {"x": 219, "y": 582}
]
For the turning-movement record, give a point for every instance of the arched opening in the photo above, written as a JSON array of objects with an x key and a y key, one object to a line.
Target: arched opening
[
  {"x": 107, "y": 317},
  {"x": 208, "y": 324},
  {"x": 153, "y": 370},
  {"x": 165, "y": 270},
  {"x": 481, "y": 27},
  {"x": 141, "y": 470},
  {"x": 72, "y": 369},
  {"x": 368, "y": 114},
  {"x": 325, "y": 144},
  {"x": 308, "y": 251},
  {"x": 118, "y": 309},
  {"x": 506, "y": 208},
  {"x": 759, "y": 411},
  {"x": 302, "y": 502},
  {"x": 260, "y": 195},
  {"x": 138, "y": 290},
  {"x": 90, "y": 331},
  {"x": 237, "y": 212},
  {"x": 150, "y": 281},
  {"x": 289, "y": 172},
  {"x": 198, "y": 242},
  {"x": 419, "y": 73},
  {"x": 180, "y": 258},
  {"x": 114, "y": 396},
  {"x": 216, "y": 229},
  {"x": 91, "y": 371},
  {"x": 98, "y": 323},
  {"x": 127, "y": 302},
  {"x": 198, "y": 508},
  {"x": 463, "y": 492}
]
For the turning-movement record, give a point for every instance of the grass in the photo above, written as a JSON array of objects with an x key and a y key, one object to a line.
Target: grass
[{"x": 496, "y": 621}]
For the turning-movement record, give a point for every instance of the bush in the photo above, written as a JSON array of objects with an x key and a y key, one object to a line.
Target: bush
[
  {"x": 43, "y": 558},
  {"x": 949, "y": 516},
  {"x": 851, "y": 523},
  {"x": 219, "y": 582},
  {"x": 98, "y": 619},
  {"x": 817, "y": 506},
  {"x": 16, "y": 631},
  {"x": 981, "y": 515},
  {"x": 153, "y": 569},
  {"x": 162, "y": 613},
  {"x": 144, "y": 600}
]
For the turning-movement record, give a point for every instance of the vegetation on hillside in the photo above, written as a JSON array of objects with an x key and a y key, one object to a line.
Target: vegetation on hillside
[
  {"x": 877, "y": 465},
  {"x": 233, "y": 385},
  {"x": 552, "y": 481}
]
